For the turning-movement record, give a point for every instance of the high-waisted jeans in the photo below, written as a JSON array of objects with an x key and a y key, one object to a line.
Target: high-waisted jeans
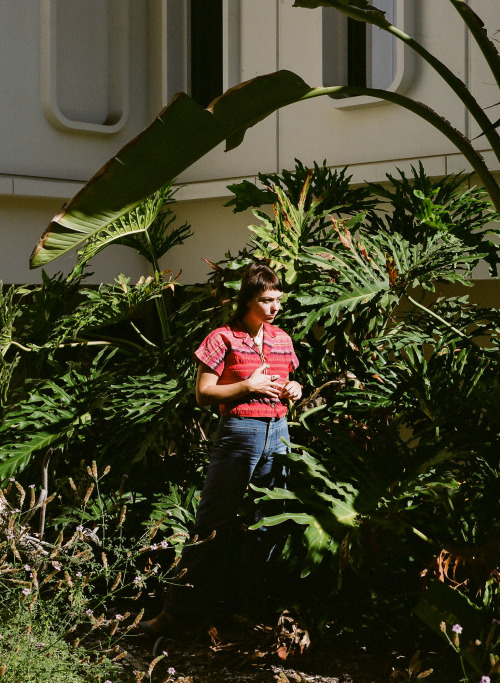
[{"x": 242, "y": 455}]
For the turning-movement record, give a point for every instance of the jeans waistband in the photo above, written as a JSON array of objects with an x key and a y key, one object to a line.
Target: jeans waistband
[
  {"x": 254, "y": 417},
  {"x": 265, "y": 419}
]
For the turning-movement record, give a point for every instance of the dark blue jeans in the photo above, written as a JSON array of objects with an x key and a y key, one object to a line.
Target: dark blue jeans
[{"x": 242, "y": 454}]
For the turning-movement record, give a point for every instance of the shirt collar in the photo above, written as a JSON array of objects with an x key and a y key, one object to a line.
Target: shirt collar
[{"x": 238, "y": 330}]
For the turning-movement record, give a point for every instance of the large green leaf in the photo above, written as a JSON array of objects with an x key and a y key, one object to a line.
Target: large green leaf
[
  {"x": 15, "y": 457},
  {"x": 361, "y": 10},
  {"x": 181, "y": 134},
  {"x": 184, "y": 132},
  {"x": 317, "y": 542}
]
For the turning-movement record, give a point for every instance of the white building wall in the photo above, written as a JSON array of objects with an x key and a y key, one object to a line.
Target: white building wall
[{"x": 44, "y": 159}]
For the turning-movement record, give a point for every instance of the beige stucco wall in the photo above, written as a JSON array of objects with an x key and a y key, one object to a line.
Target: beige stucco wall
[
  {"x": 43, "y": 163},
  {"x": 23, "y": 220},
  {"x": 217, "y": 231}
]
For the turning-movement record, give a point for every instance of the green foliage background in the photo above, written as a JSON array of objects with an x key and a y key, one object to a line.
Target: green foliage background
[{"x": 394, "y": 460}]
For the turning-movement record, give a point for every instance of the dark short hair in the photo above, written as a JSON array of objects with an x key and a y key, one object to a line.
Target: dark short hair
[{"x": 256, "y": 278}]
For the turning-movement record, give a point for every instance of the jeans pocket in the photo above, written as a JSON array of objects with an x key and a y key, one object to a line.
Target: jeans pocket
[
  {"x": 236, "y": 438},
  {"x": 282, "y": 433}
]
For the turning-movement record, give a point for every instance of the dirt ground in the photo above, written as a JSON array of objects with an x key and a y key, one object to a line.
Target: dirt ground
[{"x": 249, "y": 653}]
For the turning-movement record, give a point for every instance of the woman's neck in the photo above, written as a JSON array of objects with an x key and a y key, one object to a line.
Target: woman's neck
[{"x": 253, "y": 328}]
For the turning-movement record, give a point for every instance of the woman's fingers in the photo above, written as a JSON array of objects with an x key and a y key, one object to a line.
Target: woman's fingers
[{"x": 292, "y": 390}]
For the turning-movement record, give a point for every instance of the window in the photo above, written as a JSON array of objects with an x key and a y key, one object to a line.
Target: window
[
  {"x": 199, "y": 49},
  {"x": 85, "y": 64},
  {"x": 359, "y": 54},
  {"x": 206, "y": 50}
]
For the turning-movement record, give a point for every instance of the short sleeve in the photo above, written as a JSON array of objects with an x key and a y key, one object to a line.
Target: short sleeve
[
  {"x": 294, "y": 362},
  {"x": 212, "y": 351}
]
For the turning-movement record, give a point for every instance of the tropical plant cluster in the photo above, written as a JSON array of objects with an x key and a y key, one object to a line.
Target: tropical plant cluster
[{"x": 391, "y": 521}]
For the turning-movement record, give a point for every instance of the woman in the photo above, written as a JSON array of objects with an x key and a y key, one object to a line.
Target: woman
[{"x": 244, "y": 367}]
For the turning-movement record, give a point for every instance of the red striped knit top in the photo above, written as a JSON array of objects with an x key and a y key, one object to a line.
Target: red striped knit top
[{"x": 230, "y": 351}]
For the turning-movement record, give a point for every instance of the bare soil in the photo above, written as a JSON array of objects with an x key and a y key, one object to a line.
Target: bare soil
[{"x": 248, "y": 653}]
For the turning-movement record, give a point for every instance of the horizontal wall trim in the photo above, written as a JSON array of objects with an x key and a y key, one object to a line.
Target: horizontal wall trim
[{"x": 58, "y": 188}]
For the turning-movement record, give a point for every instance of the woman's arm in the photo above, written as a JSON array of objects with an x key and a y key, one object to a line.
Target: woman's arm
[{"x": 209, "y": 392}]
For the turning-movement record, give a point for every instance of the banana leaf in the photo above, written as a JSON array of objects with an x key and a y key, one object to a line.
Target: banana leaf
[{"x": 184, "y": 132}]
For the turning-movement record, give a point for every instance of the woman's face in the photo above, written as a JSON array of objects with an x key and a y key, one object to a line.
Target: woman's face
[{"x": 263, "y": 307}]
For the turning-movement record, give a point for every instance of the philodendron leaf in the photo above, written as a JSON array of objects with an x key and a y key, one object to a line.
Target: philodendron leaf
[
  {"x": 15, "y": 457},
  {"x": 298, "y": 517},
  {"x": 317, "y": 542}
]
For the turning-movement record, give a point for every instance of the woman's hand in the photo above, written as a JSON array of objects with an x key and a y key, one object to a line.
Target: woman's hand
[
  {"x": 292, "y": 391},
  {"x": 264, "y": 385},
  {"x": 208, "y": 391}
]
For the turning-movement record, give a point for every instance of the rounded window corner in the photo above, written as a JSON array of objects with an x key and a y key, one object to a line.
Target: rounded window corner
[
  {"x": 63, "y": 105},
  {"x": 372, "y": 60}
]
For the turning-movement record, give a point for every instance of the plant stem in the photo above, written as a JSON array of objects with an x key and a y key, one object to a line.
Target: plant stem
[
  {"x": 476, "y": 27},
  {"x": 105, "y": 341},
  {"x": 144, "y": 339},
  {"x": 455, "y": 83},
  {"x": 420, "y": 534},
  {"x": 159, "y": 301},
  {"x": 24, "y": 348},
  {"x": 458, "y": 87},
  {"x": 462, "y": 143},
  {"x": 436, "y": 316}
]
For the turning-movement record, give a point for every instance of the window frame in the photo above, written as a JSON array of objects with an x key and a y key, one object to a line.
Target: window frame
[
  {"x": 118, "y": 74},
  {"x": 337, "y": 49},
  {"x": 172, "y": 40}
]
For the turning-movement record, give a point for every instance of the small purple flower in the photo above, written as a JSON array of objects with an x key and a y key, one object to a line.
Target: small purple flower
[
  {"x": 138, "y": 580},
  {"x": 165, "y": 653},
  {"x": 118, "y": 617},
  {"x": 79, "y": 527},
  {"x": 57, "y": 566},
  {"x": 78, "y": 575},
  {"x": 164, "y": 544},
  {"x": 12, "y": 479},
  {"x": 89, "y": 612},
  {"x": 26, "y": 591},
  {"x": 171, "y": 670},
  {"x": 27, "y": 567},
  {"x": 31, "y": 486},
  {"x": 456, "y": 628},
  {"x": 485, "y": 679},
  {"x": 495, "y": 621},
  {"x": 153, "y": 546}
]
